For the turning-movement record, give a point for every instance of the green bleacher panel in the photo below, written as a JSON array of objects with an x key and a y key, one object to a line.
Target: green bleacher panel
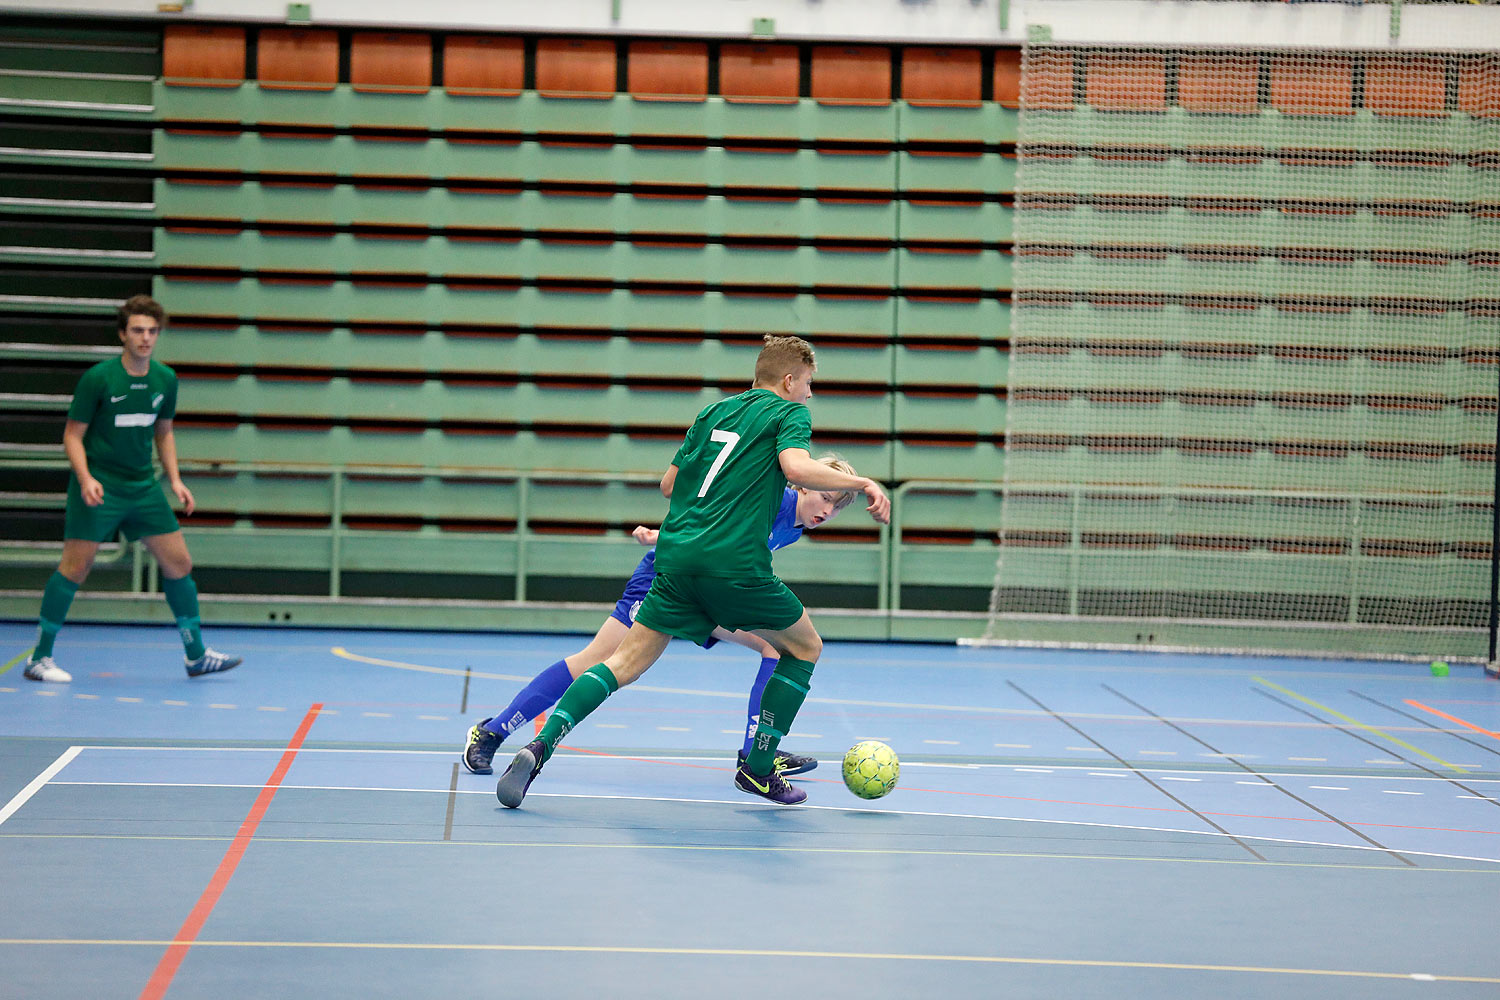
[
  {"x": 979, "y": 410},
  {"x": 987, "y": 172},
  {"x": 1256, "y": 326},
  {"x": 1259, "y": 372},
  {"x": 527, "y": 259},
  {"x": 1266, "y": 177},
  {"x": 432, "y": 447},
  {"x": 617, "y": 356},
  {"x": 343, "y": 204},
  {"x": 978, "y": 222},
  {"x": 974, "y": 509},
  {"x": 54, "y": 94},
  {"x": 1281, "y": 419},
  {"x": 973, "y": 364},
  {"x": 1259, "y": 224},
  {"x": 375, "y": 302},
  {"x": 931, "y": 316},
  {"x": 981, "y": 269},
  {"x": 989, "y": 122},
  {"x": 530, "y": 160},
  {"x": 342, "y": 398},
  {"x": 914, "y": 459},
  {"x": 810, "y": 561},
  {"x": 959, "y": 564},
  {"x": 1266, "y": 276},
  {"x": 1362, "y": 131},
  {"x": 528, "y": 113},
  {"x": 1292, "y": 468}
]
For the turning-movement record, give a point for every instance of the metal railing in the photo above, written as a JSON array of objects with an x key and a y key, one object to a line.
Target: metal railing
[{"x": 144, "y": 571}]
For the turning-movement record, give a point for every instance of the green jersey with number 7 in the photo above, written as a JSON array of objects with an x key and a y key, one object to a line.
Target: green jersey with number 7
[{"x": 729, "y": 485}]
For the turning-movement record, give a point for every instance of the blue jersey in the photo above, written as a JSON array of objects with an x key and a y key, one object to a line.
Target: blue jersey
[{"x": 784, "y": 531}]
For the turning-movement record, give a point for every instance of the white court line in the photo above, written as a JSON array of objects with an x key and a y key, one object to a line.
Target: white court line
[
  {"x": 21, "y": 797},
  {"x": 436, "y": 790}
]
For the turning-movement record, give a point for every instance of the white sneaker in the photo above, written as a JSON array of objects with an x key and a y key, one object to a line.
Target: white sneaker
[
  {"x": 46, "y": 670},
  {"x": 211, "y": 662}
]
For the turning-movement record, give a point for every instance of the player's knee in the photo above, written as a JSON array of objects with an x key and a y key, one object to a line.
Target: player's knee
[
  {"x": 76, "y": 566},
  {"x": 810, "y": 649}
]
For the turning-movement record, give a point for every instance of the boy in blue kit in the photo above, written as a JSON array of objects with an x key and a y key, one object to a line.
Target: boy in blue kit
[
  {"x": 800, "y": 508},
  {"x": 120, "y": 409},
  {"x": 713, "y": 569}
]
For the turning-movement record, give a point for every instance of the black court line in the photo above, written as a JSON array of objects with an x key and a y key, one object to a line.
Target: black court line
[
  {"x": 1369, "y": 743},
  {"x": 1137, "y": 772},
  {"x": 1438, "y": 774},
  {"x": 463, "y": 704},
  {"x": 1250, "y": 770},
  {"x": 452, "y": 797}
]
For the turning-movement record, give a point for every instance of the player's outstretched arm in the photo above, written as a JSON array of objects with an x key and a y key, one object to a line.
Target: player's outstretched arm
[{"x": 801, "y": 469}]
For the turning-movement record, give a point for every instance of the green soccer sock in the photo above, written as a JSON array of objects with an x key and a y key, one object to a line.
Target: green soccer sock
[
  {"x": 57, "y": 597},
  {"x": 785, "y": 691},
  {"x": 182, "y": 598},
  {"x": 581, "y": 698}
]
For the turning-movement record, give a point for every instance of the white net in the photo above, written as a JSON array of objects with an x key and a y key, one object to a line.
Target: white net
[{"x": 1253, "y": 377}]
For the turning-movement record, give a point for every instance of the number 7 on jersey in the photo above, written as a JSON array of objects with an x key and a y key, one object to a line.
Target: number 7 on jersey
[{"x": 730, "y": 439}]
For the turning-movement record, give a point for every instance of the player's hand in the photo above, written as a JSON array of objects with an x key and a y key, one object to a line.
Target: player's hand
[
  {"x": 880, "y": 504},
  {"x": 183, "y": 494},
  {"x": 92, "y": 491},
  {"x": 646, "y": 536}
]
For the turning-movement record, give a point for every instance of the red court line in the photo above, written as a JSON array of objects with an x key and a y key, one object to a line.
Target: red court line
[
  {"x": 1452, "y": 718},
  {"x": 166, "y": 969}
]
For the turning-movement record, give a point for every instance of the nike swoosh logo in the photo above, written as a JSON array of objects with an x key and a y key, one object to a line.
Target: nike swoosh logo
[
  {"x": 116, "y": 399},
  {"x": 758, "y": 786}
]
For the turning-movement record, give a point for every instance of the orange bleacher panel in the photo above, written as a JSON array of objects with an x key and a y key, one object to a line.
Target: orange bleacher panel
[
  {"x": 196, "y": 55},
  {"x": 1478, "y": 90},
  {"x": 390, "y": 62},
  {"x": 297, "y": 58},
  {"x": 1400, "y": 84},
  {"x": 1008, "y": 77},
  {"x": 1219, "y": 83},
  {"x": 668, "y": 71},
  {"x": 1126, "y": 81},
  {"x": 759, "y": 73},
  {"x": 1312, "y": 84},
  {"x": 851, "y": 74},
  {"x": 483, "y": 65},
  {"x": 934, "y": 77},
  {"x": 1049, "y": 81},
  {"x": 575, "y": 67}
]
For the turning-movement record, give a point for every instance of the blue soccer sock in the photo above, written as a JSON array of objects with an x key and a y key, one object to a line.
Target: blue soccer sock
[
  {"x": 767, "y": 664},
  {"x": 540, "y": 694}
]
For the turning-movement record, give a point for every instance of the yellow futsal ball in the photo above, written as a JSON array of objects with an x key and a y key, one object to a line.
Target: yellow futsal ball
[{"x": 871, "y": 769}]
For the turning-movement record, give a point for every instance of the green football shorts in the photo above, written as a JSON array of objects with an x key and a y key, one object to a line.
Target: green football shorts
[
  {"x": 139, "y": 509},
  {"x": 689, "y": 606}
]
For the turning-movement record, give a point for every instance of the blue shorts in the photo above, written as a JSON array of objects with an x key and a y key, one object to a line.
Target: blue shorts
[{"x": 635, "y": 592}]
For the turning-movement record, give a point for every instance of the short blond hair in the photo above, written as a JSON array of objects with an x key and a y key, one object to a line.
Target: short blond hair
[
  {"x": 846, "y": 497},
  {"x": 783, "y": 356}
]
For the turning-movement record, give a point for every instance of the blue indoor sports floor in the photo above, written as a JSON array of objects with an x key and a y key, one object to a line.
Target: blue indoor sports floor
[{"x": 1067, "y": 825}]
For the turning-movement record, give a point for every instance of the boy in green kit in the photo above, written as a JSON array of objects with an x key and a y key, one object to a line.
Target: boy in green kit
[
  {"x": 122, "y": 406},
  {"x": 713, "y": 567}
]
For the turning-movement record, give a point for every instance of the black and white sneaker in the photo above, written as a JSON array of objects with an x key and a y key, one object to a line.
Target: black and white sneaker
[
  {"x": 480, "y": 750},
  {"x": 512, "y": 786},
  {"x": 787, "y": 764},
  {"x": 43, "y": 669}
]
